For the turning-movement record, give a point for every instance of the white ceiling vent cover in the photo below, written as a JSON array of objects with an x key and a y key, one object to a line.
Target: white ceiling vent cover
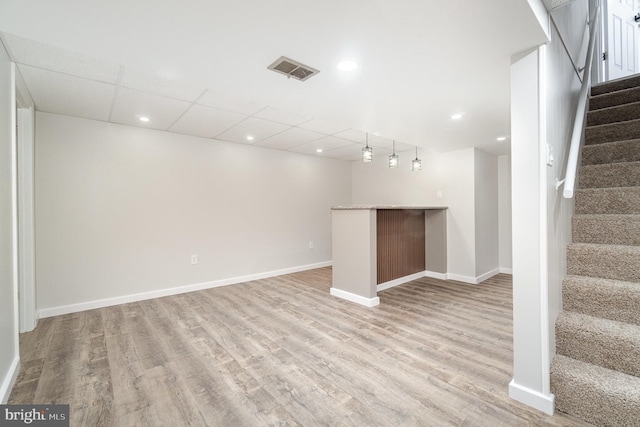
[{"x": 291, "y": 68}]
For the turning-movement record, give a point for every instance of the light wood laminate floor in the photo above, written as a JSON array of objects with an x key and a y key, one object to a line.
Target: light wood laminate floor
[{"x": 282, "y": 351}]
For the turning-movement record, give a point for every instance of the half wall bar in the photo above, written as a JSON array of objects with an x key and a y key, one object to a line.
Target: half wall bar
[{"x": 378, "y": 247}]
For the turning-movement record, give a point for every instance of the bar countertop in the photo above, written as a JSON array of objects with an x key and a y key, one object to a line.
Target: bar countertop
[{"x": 376, "y": 207}]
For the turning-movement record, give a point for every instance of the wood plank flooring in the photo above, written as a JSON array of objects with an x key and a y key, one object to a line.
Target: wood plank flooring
[{"x": 282, "y": 351}]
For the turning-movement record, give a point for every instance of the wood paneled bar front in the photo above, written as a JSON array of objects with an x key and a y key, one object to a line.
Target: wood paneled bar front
[{"x": 377, "y": 247}]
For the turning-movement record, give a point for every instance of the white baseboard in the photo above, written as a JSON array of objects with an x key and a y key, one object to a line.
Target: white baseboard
[
  {"x": 487, "y": 275},
  {"x": 460, "y": 278},
  {"x": 400, "y": 281},
  {"x": 107, "y": 302},
  {"x": 409, "y": 278},
  {"x": 367, "y": 302},
  {"x": 9, "y": 380},
  {"x": 535, "y": 399},
  {"x": 436, "y": 275},
  {"x": 506, "y": 270},
  {"x": 473, "y": 280}
]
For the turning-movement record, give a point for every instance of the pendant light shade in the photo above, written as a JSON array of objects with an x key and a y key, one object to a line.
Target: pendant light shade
[
  {"x": 416, "y": 164},
  {"x": 393, "y": 158},
  {"x": 367, "y": 152}
]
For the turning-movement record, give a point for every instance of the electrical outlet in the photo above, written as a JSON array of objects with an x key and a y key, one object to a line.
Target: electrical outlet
[
  {"x": 439, "y": 194},
  {"x": 194, "y": 259},
  {"x": 311, "y": 244}
]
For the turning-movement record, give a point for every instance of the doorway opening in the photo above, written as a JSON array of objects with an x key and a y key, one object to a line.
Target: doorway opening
[{"x": 620, "y": 44}]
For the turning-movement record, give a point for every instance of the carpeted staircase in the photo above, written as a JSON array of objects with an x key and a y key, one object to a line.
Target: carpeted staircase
[{"x": 595, "y": 374}]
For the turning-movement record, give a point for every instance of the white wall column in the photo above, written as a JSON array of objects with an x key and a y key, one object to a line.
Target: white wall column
[
  {"x": 530, "y": 383},
  {"x": 354, "y": 256},
  {"x": 504, "y": 214},
  {"x": 9, "y": 350},
  {"x": 25, "y": 136},
  {"x": 26, "y": 222}
]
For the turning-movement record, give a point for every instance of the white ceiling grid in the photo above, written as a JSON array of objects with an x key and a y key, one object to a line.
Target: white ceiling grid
[
  {"x": 50, "y": 90},
  {"x": 66, "y": 83},
  {"x": 419, "y": 62}
]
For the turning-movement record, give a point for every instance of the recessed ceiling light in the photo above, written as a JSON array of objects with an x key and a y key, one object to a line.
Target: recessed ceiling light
[
  {"x": 144, "y": 119},
  {"x": 457, "y": 116},
  {"x": 501, "y": 138},
  {"x": 347, "y": 65},
  {"x": 250, "y": 137},
  {"x": 318, "y": 150}
]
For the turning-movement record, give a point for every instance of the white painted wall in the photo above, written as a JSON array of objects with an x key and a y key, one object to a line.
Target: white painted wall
[
  {"x": 26, "y": 221},
  {"x": 9, "y": 357},
  {"x": 486, "y": 213},
  {"x": 530, "y": 382},
  {"x": 571, "y": 23},
  {"x": 375, "y": 183},
  {"x": 504, "y": 214},
  {"x": 540, "y": 11},
  {"x": 119, "y": 210},
  {"x": 598, "y": 66},
  {"x": 544, "y": 90},
  {"x": 26, "y": 216},
  {"x": 354, "y": 273},
  {"x": 563, "y": 87},
  {"x": 468, "y": 182},
  {"x": 458, "y": 174}
]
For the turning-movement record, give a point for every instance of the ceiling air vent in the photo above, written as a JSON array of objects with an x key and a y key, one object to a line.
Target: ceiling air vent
[{"x": 291, "y": 68}]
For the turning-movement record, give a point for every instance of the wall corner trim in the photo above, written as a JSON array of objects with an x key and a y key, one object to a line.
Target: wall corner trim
[
  {"x": 401, "y": 280},
  {"x": 367, "y": 302},
  {"x": 461, "y": 278},
  {"x": 436, "y": 275},
  {"x": 107, "y": 302},
  {"x": 9, "y": 380},
  {"x": 412, "y": 277},
  {"x": 487, "y": 275},
  {"x": 506, "y": 270},
  {"x": 529, "y": 397},
  {"x": 473, "y": 280}
]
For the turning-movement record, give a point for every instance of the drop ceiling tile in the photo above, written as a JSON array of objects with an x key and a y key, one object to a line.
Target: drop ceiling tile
[
  {"x": 162, "y": 111},
  {"x": 378, "y": 141},
  {"x": 354, "y": 152},
  {"x": 352, "y": 135},
  {"x": 205, "y": 121},
  {"x": 290, "y": 138},
  {"x": 327, "y": 143},
  {"x": 159, "y": 86},
  {"x": 281, "y": 116},
  {"x": 341, "y": 152},
  {"x": 321, "y": 126},
  {"x": 381, "y": 152},
  {"x": 351, "y": 158},
  {"x": 229, "y": 103},
  {"x": 40, "y": 55},
  {"x": 401, "y": 147},
  {"x": 68, "y": 95},
  {"x": 258, "y": 128}
]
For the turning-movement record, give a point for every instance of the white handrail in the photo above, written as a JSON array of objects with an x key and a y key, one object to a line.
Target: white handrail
[{"x": 581, "y": 112}]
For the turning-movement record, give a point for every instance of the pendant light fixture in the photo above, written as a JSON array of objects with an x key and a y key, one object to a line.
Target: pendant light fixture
[
  {"x": 367, "y": 152},
  {"x": 416, "y": 164},
  {"x": 393, "y": 159}
]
